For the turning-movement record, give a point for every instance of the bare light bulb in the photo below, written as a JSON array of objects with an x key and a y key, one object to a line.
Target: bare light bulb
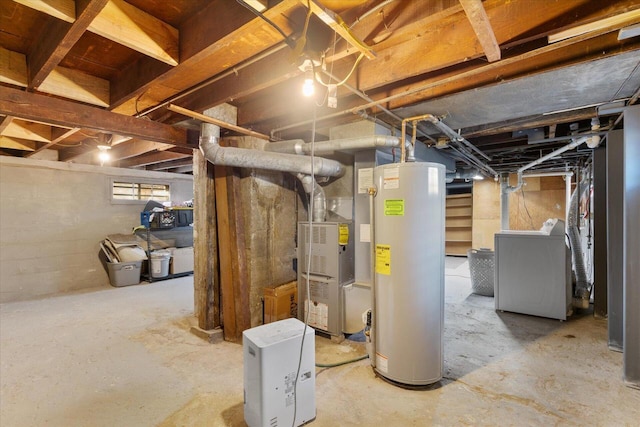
[
  {"x": 103, "y": 155},
  {"x": 308, "y": 88}
]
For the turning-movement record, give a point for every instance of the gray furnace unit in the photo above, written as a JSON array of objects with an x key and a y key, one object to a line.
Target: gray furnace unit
[{"x": 331, "y": 268}]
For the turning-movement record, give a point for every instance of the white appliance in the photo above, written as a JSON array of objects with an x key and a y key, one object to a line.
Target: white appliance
[
  {"x": 271, "y": 353},
  {"x": 409, "y": 272},
  {"x": 533, "y": 271}
]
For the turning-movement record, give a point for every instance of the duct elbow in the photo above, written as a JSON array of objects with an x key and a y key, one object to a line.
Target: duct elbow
[{"x": 594, "y": 141}]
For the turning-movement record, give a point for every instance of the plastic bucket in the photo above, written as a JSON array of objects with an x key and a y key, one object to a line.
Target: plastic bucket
[{"x": 160, "y": 263}]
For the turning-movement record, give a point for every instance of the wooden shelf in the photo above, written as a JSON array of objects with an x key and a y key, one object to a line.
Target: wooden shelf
[{"x": 458, "y": 226}]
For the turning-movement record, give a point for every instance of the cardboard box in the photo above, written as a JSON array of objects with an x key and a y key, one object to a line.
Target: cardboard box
[
  {"x": 281, "y": 302},
  {"x": 182, "y": 260}
]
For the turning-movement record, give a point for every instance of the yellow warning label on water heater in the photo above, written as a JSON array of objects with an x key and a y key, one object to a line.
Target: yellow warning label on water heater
[
  {"x": 383, "y": 259},
  {"x": 394, "y": 207},
  {"x": 343, "y": 234}
]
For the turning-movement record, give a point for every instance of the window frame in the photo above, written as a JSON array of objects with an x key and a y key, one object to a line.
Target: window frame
[{"x": 138, "y": 182}]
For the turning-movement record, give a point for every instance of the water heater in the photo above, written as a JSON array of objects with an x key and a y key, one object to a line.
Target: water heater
[{"x": 409, "y": 272}]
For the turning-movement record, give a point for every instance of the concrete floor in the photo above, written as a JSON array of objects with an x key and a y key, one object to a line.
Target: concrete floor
[{"x": 125, "y": 357}]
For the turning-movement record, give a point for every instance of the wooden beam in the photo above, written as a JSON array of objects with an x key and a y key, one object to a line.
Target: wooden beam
[
  {"x": 74, "y": 84},
  {"x": 205, "y": 41},
  {"x": 238, "y": 256},
  {"x": 57, "y": 135},
  {"x": 170, "y": 164},
  {"x": 474, "y": 75},
  {"x": 17, "y": 143},
  {"x": 58, "y": 112},
  {"x": 151, "y": 158},
  {"x": 222, "y": 124},
  {"x": 61, "y": 37},
  {"x": 129, "y": 26},
  {"x": 5, "y": 122},
  {"x": 482, "y": 27},
  {"x": 13, "y": 68},
  {"x": 224, "y": 225},
  {"x": 61, "y": 9},
  {"x": 248, "y": 81},
  {"x": 122, "y": 23},
  {"x": 578, "y": 50},
  {"x": 28, "y": 130},
  {"x": 453, "y": 41},
  {"x": 206, "y": 272},
  {"x": 614, "y": 22},
  {"x": 134, "y": 148},
  {"x": 337, "y": 24},
  {"x": 409, "y": 22}
]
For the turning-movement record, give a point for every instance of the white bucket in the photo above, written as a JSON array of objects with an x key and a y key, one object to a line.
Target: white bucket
[{"x": 160, "y": 263}]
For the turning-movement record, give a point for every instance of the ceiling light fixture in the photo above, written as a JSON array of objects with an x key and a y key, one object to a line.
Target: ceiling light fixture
[
  {"x": 103, "y": 155},
  {"x": 308, "y": 88},
  {"x": 478, "y": 177}
]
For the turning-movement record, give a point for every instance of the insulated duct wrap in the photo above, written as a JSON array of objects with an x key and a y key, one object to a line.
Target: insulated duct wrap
[
  {"x": 248, "y": 158},
  {"x": 582, "y": 292},
  {"x": 298, "y": 146}
]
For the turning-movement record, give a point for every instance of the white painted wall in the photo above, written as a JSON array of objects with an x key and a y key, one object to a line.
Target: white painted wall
[{"x": 53, "y": 216}]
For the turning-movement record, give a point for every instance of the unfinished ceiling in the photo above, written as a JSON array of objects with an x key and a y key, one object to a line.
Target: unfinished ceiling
[{"x": 511, "y": 77}]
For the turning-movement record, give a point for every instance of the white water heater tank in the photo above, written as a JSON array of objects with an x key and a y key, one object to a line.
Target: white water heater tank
[{"x": 409, "y": 272}]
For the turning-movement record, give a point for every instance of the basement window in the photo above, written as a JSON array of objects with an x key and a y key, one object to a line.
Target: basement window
[{"x": 121, "y": 191}]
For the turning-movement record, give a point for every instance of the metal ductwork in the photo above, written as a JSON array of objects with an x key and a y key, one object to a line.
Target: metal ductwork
[
  {"x": 316, "y": 194},
  {"x": 298, "y": 146},
  {"x": 248, "y": 158},
  {"x": 582, "y": 292}
]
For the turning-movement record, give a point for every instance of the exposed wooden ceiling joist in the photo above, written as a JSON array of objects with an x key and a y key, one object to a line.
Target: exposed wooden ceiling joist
[
  {"x": 151, "y": 158},
  {"x": 57, "y": 135},
  {"x": 13, "y": 68},
  {"x": 187, "y": 161},
  {"x": 122, "y": 23},
  {"x": 27, "y": 130},
  {"x": 482, "y": 27},
  {"x": 59, "y": 112},
  {"x": 17, "y": 143},
  {"x": 204, "y": 40},
  {"x": 61, "y": 37},
  {"x": 134, "y": 148},
  {"x": 577, "y": 50}
]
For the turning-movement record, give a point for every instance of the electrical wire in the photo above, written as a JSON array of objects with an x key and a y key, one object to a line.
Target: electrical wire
[
  {"x": 308, "y": 266},
  {"x": 355, "y": 65},
  {"x": 287, "y": 39},
  {"x": 524, "y": 202},
  {"x": 344, "y": 362}
]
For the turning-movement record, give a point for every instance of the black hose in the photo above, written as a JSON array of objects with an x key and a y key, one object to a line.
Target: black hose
[{"x": 345, "y": 362}]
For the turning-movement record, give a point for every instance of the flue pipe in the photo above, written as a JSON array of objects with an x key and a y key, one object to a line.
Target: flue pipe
[
  {"x": 247, "y": 158},
  {"x": 298, "y": 146},
  {"x": 310, "y": 185}
]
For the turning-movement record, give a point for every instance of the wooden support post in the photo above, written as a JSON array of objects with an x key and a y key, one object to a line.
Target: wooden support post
[
  {"x": 206, "y": 280},
  {"x": 224, "y": 243},
  {"x": 234, "y": 287},
  {"x": 238, "y": 253}
]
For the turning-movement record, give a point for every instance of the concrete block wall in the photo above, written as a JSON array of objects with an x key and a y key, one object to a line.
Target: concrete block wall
[{"x": 53, "y": 216}]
